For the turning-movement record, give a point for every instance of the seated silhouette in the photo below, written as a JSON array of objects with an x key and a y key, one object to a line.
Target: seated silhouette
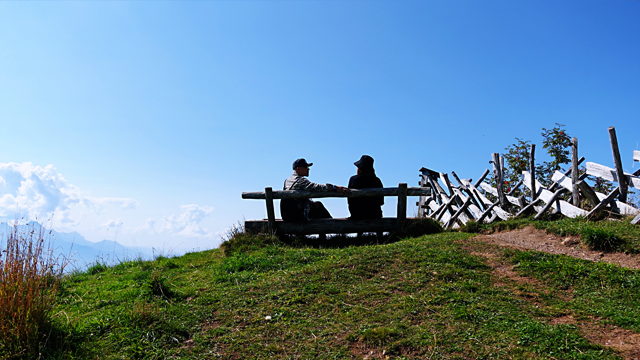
[{"x": 365, "y": 207}]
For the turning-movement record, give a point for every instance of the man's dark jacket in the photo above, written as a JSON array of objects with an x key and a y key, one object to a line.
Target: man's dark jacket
[{"x": 365, "y": 207}]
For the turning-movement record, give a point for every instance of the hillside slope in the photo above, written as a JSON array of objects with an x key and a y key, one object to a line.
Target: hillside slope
[{"x": 427, "y": 297}]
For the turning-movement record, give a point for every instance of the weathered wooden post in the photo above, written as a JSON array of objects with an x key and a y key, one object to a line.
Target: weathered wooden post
[
  {"x": 588, "y": 192},
  {"x": 622, "y": 179},
  {"x": 271, "y": 217},
  {"x": 498, "y": 175},
  {"x": 532, "y": 171},
  {"x": 598, "y": 208},
  {"x": 575, "y": 174},
  {"x": 445, "y": 179},
  {"x": 481, "y": 179},
  {"x": 402, "y": 203}
]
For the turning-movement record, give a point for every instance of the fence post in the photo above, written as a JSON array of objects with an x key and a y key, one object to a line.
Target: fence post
[
  {"x": 498, "y": 175},
  {"x": 402, "y": 203},
  {"x": 575, "y": 174},
  {"x": 271, "y": 217},
  {"x": 622, "y": 179},
  {"x": 532, "y": 171}
]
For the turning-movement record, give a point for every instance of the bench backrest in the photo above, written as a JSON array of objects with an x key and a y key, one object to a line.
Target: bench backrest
[{"x": 402, "y": 191}]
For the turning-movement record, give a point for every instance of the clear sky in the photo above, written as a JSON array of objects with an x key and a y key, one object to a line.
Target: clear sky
[{"x": 144, "y": 121}]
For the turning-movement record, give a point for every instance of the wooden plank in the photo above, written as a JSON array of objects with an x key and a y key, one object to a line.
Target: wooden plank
[
  {"x": 434, "y": 189},
  {"x": 531, "y": 205},
  {"x": 594, "y": 197},
  {"x": 462, "y": 197},
  {"x": 568, "y": 172},
  {"x": 618, "y": 163},
  {"x": 550, "y": 202},
  {"x": 588, "y": 192},
  {"x": 440, "y": 190},
  {"x": 472, "y": 207},
  {"x": 636, "y": 219},
  {"x": 325, "y": 226},
  {"x": 353, "y": 193},
  {"x": 402, "y": 203},
  {"x": 490, "y": 189},
  {"x": 476, "y": 192},
  {"x": 271, "y": 217},
  {"x": 636, "y": 155},
  {"x": 458, "y": 213},
  {"x": 562, "y": 206},
  {"x": 481, "y": 179},
  {"x": 610, "y": 174},
  {"x": 575, "y": 194},
  {"x": 436, "y": 208},
  {"x": 447, "y": 207},
  {"x": 618, "y": 206},
  {"x": 498, "y": 210},
  {"x": 532, "y": 170},
  {"x": 445, "y": 179},
  {"x": 603, "y": 204},
  {"x": 487, "y": 212},
  {"x": 463, "y": 187},
  {"x": 515, "y": 188}
]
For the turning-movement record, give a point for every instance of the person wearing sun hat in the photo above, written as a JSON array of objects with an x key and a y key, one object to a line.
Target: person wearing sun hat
[
  {"x": 366, "y": 207},
  {"x": 305, "y": 209}
]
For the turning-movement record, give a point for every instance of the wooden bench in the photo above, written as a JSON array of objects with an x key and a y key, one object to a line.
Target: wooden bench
[{"x": 332, "y": 226}]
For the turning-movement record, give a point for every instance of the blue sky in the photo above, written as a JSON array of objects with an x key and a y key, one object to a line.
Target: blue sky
[{"x": 154, "y": 116}]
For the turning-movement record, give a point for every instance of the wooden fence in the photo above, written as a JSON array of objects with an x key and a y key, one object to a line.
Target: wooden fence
[{"x": 455, "y": 205}]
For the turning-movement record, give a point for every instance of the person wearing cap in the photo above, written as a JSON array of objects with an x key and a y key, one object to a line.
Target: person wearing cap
[
  {"x": 305, "y": 209},
  {"x": 366, "y": 207}
]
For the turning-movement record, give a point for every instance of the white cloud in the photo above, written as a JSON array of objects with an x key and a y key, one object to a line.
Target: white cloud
[
  {"x": 39, "y": 192},
  {"x": 185, "y": 224},
  {"x": 114, "y": 223}
]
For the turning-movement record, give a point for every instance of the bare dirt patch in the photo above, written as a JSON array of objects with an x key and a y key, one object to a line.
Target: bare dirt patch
[
  {"x": 530, "y": 238},
  {"x": 622, "y": 340},
  {"x": 626, "y": 342}
]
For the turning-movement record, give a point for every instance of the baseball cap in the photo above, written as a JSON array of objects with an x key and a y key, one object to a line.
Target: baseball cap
[{"x": 301, "y": 163}]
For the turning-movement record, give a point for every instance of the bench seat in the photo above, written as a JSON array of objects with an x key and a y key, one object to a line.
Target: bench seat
[{"x": 326, "y": 226}]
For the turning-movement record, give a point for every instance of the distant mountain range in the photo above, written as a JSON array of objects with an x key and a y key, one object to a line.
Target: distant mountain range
[{"x": 80, "y": 252}]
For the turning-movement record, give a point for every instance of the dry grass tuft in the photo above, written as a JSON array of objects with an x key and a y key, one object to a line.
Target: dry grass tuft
[{"x": 29, "y": 279}]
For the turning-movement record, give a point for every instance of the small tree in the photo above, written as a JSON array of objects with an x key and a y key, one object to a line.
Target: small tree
[
  {"x": 516, "y": 161},
  {"x": 557, "y": 143}
]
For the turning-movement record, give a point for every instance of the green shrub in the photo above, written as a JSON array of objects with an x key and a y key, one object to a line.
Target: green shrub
[
  {"x": 158, "y": 286},
  {"x": 242, "y": 242},
  {"x": 97, "y": 268},
  {"x": 471, "y": 227},
  {"x": 419, "y": 227},
  {"x": 602, "y": 239}
]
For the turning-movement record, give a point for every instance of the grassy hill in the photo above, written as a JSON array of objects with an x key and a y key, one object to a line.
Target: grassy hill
[{"x": 428, "y": 297}]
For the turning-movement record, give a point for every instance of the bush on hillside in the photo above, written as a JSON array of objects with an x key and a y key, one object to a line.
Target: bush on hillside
[
  {"x": 602, "y": 239},
  {"x": 238, "y": 241},
  {"x": 419, "y": 227},
  {"x": 471, "y": 227},
  {"x": 29, "y": 279}
]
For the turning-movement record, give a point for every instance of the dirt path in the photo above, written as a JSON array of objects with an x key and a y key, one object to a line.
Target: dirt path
[
  {"x": 626, "y": 342},
  {"x": 531, "y": 239}
]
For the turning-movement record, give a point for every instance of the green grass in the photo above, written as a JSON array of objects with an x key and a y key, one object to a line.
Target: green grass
[
  {"x": 599, "y": 290},
  {"x": 424, "y": 297}
]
